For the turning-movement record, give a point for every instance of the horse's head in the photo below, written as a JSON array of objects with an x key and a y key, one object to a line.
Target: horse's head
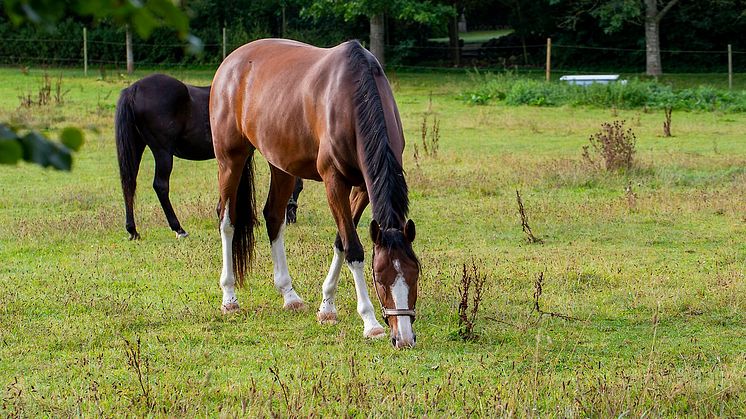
[{"x": 395, "y": 273}]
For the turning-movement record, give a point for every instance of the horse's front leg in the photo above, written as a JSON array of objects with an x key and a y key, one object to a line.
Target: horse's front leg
[
  {"x": 280, "y": 189},
  {"x": 327, "y": 313},
  {"x": 348, "y": 244}
]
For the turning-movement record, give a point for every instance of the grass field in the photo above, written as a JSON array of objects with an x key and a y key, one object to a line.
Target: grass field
[
  {"x": 476, "y": 36},
  {"x": 92, "y": 324}
]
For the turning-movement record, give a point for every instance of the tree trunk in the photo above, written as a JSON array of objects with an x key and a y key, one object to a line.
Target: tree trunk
[
  {"x": 653, "y": 18},
  {"x": 652, "y": 40},
  {"x": 454, "y": 42},
  {"x": 128, "y": 50},
  {"x": 377, "y": 35}
]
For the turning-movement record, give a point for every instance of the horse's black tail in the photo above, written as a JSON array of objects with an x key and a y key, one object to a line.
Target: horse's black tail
[
  {"x": 129, "y": 143},
  {"x": 245, "y": 222}
]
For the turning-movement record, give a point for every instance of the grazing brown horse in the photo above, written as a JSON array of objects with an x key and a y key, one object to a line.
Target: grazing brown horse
[
  {"x": 172, "y": 119},
  {"x": 321, "y": 114}
]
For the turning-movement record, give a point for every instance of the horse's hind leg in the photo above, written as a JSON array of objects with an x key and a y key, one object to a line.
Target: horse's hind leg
[
  {"x": 164, "y": 162},
  {"x": 292, "y": 209},
  {"x": 280, "y": 189},
  {"x": 129, "y": 184}
]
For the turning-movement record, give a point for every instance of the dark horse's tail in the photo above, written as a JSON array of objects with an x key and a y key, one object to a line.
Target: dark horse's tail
[
  {"x": 129, "y": 142},
  {"x": 245, "y": 221}
]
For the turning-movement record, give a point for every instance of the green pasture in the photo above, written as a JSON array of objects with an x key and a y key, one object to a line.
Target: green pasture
[
  {"x": 649, "y": 264},
  {"x": 476, "y": 36}
]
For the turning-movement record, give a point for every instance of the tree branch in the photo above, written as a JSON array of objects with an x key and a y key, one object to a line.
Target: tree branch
[{"x": 665, "y": 10}]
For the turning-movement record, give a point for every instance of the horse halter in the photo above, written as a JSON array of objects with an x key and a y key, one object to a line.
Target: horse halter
[{"x": 389, "y": 312}]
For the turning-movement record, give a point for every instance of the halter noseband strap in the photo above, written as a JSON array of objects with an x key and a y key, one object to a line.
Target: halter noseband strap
[{"x": 389, "y": 312}]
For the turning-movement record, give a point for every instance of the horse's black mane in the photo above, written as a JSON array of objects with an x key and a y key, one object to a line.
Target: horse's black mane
[{"x": 388, "y": 194}]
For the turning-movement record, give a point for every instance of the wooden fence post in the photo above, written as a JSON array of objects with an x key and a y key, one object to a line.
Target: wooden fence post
[
  {"x": 85, "y": 51},
  {"x": 224, "y": 42},
  {"x": 549, "y": 58},
  {"x": 128, "y": 46},
  {"x": 730, "y": 67}
]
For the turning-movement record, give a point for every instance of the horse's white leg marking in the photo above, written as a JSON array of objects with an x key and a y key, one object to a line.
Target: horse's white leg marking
[
  {"x": 400, "y": 293},
  {"x": 327, "y": 310},
  {"x": 283, "y": 282},
  {"x": 372, "y": 329},
  {"x": 227, "y": 277}
]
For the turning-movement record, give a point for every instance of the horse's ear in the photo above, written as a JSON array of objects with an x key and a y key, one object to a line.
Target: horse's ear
[
  {"x": 409, "y": 230},
  {"x": 375, "y": 232}
]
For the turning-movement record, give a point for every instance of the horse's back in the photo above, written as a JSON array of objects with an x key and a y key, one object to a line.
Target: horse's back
[
  {"x": 173, "y": 116},
  {"x": 288, "y": 99}
]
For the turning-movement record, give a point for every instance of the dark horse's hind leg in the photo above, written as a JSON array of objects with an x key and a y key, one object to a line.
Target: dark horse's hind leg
[
  {"x": 290, "y": 212},
  {"x": 280, "y": 189},
  {"x": 164, "y": 162},
  {"x": 128, "y": 187}
]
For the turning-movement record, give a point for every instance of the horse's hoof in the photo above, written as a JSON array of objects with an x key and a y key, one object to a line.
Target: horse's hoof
[
  {"x": 230, "y": 308},
  {"x": 181, "y": 234},
  {"x": 326, "y": 317},
  {"x": 375, "y": 333},
  {"x": 135, "y": 236},
  {"x": 296, "y": 305}
]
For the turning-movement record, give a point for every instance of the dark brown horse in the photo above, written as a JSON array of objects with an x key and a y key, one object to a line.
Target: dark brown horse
[
  {"x": 172, "y": 119},
  {"x": 321, "y": 114}
]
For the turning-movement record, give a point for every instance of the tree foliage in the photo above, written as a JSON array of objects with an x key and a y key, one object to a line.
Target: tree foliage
[{"x": 142, "y": 17}]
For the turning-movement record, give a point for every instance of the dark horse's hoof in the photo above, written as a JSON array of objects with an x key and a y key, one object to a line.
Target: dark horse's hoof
[
  {"x": 181, "y": 234},
  {"x": 290, "y": 214},
  {"x": 135, "y": 236}
]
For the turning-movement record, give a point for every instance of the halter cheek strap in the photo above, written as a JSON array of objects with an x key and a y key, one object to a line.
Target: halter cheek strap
[{"x": 389, "y": 312}]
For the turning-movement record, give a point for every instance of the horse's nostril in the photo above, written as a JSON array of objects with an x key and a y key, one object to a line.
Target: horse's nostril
[{"x": 393, "y": 341}]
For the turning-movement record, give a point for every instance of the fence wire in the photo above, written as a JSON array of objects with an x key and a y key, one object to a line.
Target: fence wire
[{"x": 68, "y": 52}]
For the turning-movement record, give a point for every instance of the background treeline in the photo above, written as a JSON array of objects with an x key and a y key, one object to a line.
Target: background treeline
[{"x": 694, "y": 34}]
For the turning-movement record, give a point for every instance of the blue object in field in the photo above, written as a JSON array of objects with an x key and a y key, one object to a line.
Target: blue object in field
[{"x": 590, "y": 79}]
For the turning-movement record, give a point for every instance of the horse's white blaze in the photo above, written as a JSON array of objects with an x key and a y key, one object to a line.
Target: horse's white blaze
[
  {"x": 329, "y": 289},
  {"x": 364, "y": 306},
  {"x": 227, "y": 277},
  {"x": 400, "y": 294},
  {"x": 283, "y": 282}
]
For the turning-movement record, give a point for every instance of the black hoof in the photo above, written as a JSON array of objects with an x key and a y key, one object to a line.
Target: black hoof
[
  {"x": 290, "y": 217},
  {"x": 135, "y": 236}
]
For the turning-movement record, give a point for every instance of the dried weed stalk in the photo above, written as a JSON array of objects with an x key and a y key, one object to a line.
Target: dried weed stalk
[
  {"x": 431, "y": 142},
  {"x": 631, "y": 197},
  {"x": 44, "y": 94},
  {"x": 140, "y": 368},
  {"x": 614, "y": 144},
  {"x": 524, "y": 221},
  {"x": 472, "y": 284},
  {"x": 667, "y": 122},
  {"x": 538, "y": 290}
]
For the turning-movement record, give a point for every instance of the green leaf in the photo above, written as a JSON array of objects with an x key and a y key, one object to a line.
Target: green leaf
[
  {"x": 72, "y": 138},
  {"x": 167, "y": 10},
  {"x": 61, "y": 157},
  {"x": 143, "y": 22},
  {"x": 7, "y": 133},
  {"x": 39, "y": 150},
  {"x": 10, "y": 151},
  {"x": 36, "y": 149}
]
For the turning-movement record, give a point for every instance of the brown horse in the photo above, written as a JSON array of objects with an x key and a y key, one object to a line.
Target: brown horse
[{"x": 321, "y": 114}]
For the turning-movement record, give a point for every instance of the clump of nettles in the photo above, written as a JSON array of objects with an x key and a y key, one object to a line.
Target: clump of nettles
[{"x": 613, "y": 147}]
